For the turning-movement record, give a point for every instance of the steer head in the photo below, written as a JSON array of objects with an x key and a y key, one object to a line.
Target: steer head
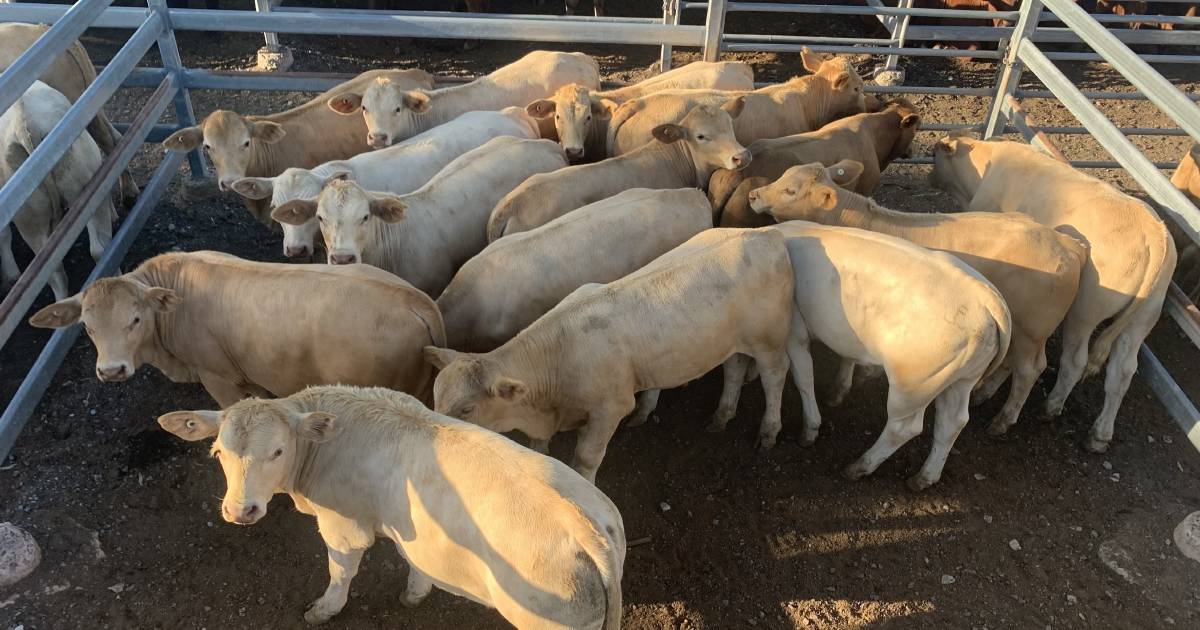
[
  {"x": 389, "y": 108},
  {"x": 808, "y": 192},
  {"x": 290, "y": 185},
  {"x": 958, "y": 166},
  {"x": 909, "y": 120},
  {"x": 230, "y": 140},
  {"x": 257, "y": 442},
  {"x": 707, "y": 133},
  {"x": 344, "y": 213},
  {"x": 119, "y": 315},
  {"x": 574, "y": 109},
  {"x": 846, "y": 91},
  {"x": 475, "y": 388}
]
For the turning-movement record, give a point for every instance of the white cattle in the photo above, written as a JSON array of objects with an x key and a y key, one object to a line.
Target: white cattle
[
  {"x": 935, "y": 325},
  {"x": 394, "y": 112},
  {"x": 426, "y": 235},
  {"x": 581, "y": 115},
  {"x": 721, "y": 297},
  {"x": 1128, "y": 269},
  {"x": 399, "y": 169},
  {"x": 517, "y": 279},
  {"x": 470, "y": 511},
  {"x": 22, "y": 128}
]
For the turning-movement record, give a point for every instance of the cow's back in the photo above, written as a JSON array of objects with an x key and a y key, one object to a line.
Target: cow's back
[{"x": 71, "y": 73}]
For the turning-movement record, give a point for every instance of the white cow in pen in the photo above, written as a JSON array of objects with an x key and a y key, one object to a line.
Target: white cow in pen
[
  {"x": 472, "y": 512},
  {"x": 22, "y": 128}
]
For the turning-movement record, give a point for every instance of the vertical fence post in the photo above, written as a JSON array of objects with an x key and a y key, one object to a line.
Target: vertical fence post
[
  {"x": 672, "y": 12},
  {"x": 714, "y": 29},
  {"x": 168, "y": 49},
  {"x": 1011, "y": 69}
]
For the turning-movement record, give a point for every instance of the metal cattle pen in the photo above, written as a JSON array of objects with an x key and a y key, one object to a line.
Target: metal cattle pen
[{"x": 1018, "y": 47}]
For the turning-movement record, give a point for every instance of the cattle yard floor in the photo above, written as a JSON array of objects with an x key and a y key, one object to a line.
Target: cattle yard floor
[{"x": 1028, "y": 531}]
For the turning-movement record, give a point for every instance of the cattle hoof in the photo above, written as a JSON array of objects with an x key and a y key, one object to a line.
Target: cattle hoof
[
  {"x": 411, "y": 601},
  {"x": 1095, "y": 445},
  {"x": 1051, "y": 410},
  {"x": 998, "y": 427},
  {"x": 765, "y": 442},
  {"x": 919, "y": 483},
  {"x": 809, "y": 437},
  {"x": 637, "y": 420},
  {"x": 716, "y": 426},
  {"x": 855, "y": 471},
  {"x": 317, "y": 613},
  {"x": 835, "y": 399}
]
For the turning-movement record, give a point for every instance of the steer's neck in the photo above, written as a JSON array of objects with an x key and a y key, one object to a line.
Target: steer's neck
[
  {"x": 674, "y": 159},
  {"x": 857, "y": 211},
  {"x": 166, "y": 272},
  {"x": 884, "y": 130},
  {"x": 534, "y": 357}
]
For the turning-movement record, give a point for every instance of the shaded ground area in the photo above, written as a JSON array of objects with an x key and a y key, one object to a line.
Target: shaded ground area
[{"x": 129, "y": 523}]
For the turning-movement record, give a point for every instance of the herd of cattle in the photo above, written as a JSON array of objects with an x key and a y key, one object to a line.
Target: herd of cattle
[{"x": 527, "y": 252}]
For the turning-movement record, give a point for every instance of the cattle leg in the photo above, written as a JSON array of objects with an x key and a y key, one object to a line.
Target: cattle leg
[
  {"x": 990, "y": 385},
  {"x": 9, "y": 271},
  {"x": 224, "y": 392},
  {"x": 343, "y": 566},
  {"x": 1122, "y": 363},
  {"x": 950, "y": 416},
  {"x": 592, "y": 441},
  {"x": 99, "y": 229},
  {"x": 647, "y": 402},
  {"x": 418, "y": 587},
  {"x": 773, "y": 371},
  {"x": 37, "y": 239},
  {"x": 841, "y": 384},
  {"x": 905, "y": 417},
  {"x": 735, "y": 376},
  {"x": 802, "y": 375},
  {"x": 1072, "y": 363},
  {"x": 1028, "y": 360}
]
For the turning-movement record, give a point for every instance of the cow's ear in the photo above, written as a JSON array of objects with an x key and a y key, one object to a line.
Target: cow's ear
[
  {"x": 844, "y": 172},
  {"x": 826, "y": 196},
  {"x": 268, "y": 132},
  {"x": 949, "y": 144},
  {"x": 345, "y": 103},
  {"x": 1195, "y": 152},
  {"x": 186, "y": 139},
  {"x": 163, "y": 300},
  {"x": 191, "y": 425},
  {"x": 841, "y": 81},
  {"x": 441, "y": 357},
  {"x": 509, "y": 389},
  {"x": 340, "y": 175},
  {"x": 317, "y": 426},
  {"x": 59, "y": 314},
  {"x": 668, "y": 133},
  {"x": 389, "y": 208},
  {"x": 417, "y": 101},
  {"x": 734, "y": 107},
  {"x": 254, "y": 187},
  {"x": 811, "y": 60},
  {"x": 540, "y": 109},
  {"x": 603, "y": 108},
  {"x": 295, "y": 212},
  {"x": 910, "y": 121}
]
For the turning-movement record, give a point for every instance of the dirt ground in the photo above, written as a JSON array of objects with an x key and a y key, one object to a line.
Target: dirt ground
[{"x": 1028, "y": 531}]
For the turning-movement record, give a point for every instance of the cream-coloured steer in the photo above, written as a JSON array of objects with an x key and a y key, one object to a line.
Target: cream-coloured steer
[
  {"x": 832, "y": 91},
  {"x": 682, "y": 155},
  {"x": 933, "y": 323},
  {"x": 721, "y": 297},
  {"x": 1127, "y": 272},
  {"x": 71, "y": 74},
  {"x": 22, "y": 128},
  {"x": 472, "y": 512},
  {"x": 581, "y": 115},
  {"x": 398, "y": 169},
  {"x": 303, "y": 137},
  {"x": 1035, "y": 268},
  {"x": 426, "y": 235},
  {"x": 246, "y": 328},
  {"x": 518, "y": 279},
  {"x": 394, "y": 111},
  {"x": 873, "y": 140}
]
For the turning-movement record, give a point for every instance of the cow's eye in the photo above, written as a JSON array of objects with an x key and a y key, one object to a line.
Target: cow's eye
[
  {"x": 365, "y": 109},
  {"x": 206, "y": 147},
  {"x": 136, "y": 321},
  {"x": 320, "y": 219},
  {"x": 589, "y": 119},
  {"x": 277, "y": 453},
  {"x": 397, "y": 110},
  {"x": 702, "y": 138},
  {"x": 466, "y": 410},
  {"x": 246, "y": 144}
]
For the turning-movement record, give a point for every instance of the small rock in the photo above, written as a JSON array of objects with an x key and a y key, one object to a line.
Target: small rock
[
  {"x": 1076, "y": 528},
  {"x": 1150, "y": 439},
  {"x": 19, "y": 554},
  {"x": 987, "y": 518},
  {"x": 1071, "y": 599},
  {"x": 1115, "y": 477},
  {"x": 1107, "y": 465},
  {"x": 1168, "y": 440},
  {"x": 664, "y": 506},
  {"x": 117, "y": 588},
  {"x": 979, "y": 477},
  {"x": 1187, "y": 536},
  {"x": 948, "y": 579},
  {"x": 1014, "y": 544}
]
